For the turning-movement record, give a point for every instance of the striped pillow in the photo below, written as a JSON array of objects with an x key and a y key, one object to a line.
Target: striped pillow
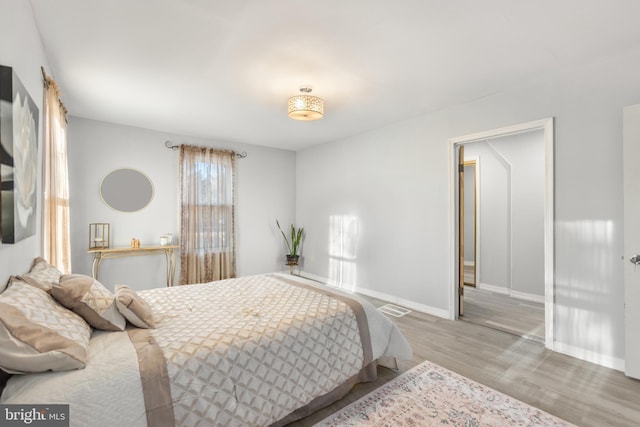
[
  {"x": 89, "y": 298},
  {"x": 132, "y": 306}
]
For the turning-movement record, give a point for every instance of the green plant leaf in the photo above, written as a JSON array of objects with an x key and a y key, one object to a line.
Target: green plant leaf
[{"x": 296, "y": 238}]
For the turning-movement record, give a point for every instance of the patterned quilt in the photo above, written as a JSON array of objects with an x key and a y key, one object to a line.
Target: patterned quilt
[
  {"x": 252, "y": 351},
  {"x": 249, "y": 351}
]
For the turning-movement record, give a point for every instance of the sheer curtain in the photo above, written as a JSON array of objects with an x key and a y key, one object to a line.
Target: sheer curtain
[
  {"x": 55, "y": 218},
  {"x": 207, "y": 217}
]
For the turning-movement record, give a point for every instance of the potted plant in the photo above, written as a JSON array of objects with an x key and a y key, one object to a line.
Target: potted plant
[{"x": 294, "y": 244}]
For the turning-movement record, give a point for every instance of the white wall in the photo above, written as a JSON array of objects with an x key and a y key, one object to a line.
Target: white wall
[
  {"x": 512, "y": 212},
  {"x": 22, "y": 50},
  {"x": 265, "y": 191},
  {"x": 395, "y": 181},
  {"x": 390, "y": 182},
  {"x": 525, "y": 154},
  {"x": 495, "y": 215}
]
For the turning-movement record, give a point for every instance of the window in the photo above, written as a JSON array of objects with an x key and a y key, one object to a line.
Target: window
[{"x": 207, "y": 247}]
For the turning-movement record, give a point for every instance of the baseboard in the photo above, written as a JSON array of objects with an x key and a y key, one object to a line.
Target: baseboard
[
  {"x": 589, "y": 356},
  {"x": 514, "y": 294},
  {"x": 320, "y": 279},
  {"x": 493, "y": 288},
  {"x": 434, "y": 311},
  {"x": 527, "y": 297}
]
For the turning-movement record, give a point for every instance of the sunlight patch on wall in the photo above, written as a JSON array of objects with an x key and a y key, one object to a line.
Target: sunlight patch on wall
[
  {"x": 343, "y": 236},
  {"x": 593, "y": 262},
  {"x": 584, "y": 293},
  {"x": 598, "y": 232}
]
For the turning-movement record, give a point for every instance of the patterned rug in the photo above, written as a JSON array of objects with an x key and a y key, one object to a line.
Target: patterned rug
[{"x": 430, "y": 395}]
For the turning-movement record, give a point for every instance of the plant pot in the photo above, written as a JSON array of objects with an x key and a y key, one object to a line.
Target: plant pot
[{"x": 292, "y": 259}]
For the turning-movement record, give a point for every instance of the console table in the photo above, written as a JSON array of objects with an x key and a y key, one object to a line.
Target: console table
[{"x": 101, "y": 253}]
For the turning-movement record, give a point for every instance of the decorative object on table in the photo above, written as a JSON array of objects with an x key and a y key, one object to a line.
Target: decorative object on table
[
  {"x": 429, "y": 394},
  {"x": 18, "y": 159},
  {"x": 99, "y": 233},
  {"x": 166, "y": 239},
  {"x": 294, "y": 245},
  {"x": 135, "y": 243}
]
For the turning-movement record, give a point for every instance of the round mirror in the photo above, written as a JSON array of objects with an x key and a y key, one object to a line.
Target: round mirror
[{"x": 126, "y": 190}]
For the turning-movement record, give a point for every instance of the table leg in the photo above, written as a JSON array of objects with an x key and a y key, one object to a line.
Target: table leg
[
  {"x": 95, "y": 267},
  {"x": 171, "y": 266}
]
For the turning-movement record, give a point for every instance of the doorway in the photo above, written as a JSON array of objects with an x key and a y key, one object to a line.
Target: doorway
[{"x": 504, "y": 269}]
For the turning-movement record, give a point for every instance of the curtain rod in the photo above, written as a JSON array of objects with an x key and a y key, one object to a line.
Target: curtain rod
[{"x": 171, "y": 146}]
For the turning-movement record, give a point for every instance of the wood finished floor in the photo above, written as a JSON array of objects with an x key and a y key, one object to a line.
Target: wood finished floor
[
  {"x": 580, "y": 392},
  {"x": 513, "y": 315}
]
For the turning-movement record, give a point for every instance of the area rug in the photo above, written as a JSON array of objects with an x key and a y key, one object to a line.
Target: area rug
[{"x": 430, "y": 395}]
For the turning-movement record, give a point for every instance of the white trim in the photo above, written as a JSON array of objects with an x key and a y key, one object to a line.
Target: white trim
[
  {"x": 434, "y": 311},
  {"x": 511, "y": 293},
  {"x": 547, "y": 125},
  {"x": 504, "y": 131},
  {"x": 590, "y": 356},
  {"x": 631, "y": 178},
  {"x": 453, "y": 233},
  {"x": 526, "y": 296},
  {"x": 493, "y": 288}
]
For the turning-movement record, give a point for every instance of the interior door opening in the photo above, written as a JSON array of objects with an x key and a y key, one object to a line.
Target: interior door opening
[{"x": 492, "y": 234}]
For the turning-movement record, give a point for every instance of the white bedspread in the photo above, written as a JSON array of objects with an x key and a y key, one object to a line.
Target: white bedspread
[
  {"x": 109, "y": 390},
  {"x": 386, "y": 339}
]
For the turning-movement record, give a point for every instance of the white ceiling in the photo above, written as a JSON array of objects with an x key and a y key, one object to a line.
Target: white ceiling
[{"x": 223, "y": 70}]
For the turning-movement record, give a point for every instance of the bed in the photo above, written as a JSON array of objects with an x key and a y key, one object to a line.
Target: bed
[{"x": 253, "y": 351}]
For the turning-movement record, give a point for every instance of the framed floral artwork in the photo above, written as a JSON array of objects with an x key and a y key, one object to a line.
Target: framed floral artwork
[{"x": 18, "y": 159}]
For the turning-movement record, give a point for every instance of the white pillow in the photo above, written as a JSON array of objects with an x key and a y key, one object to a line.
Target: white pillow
[
  {"x": 37, "y": 334},
  {"x": 42, "y": 275}
]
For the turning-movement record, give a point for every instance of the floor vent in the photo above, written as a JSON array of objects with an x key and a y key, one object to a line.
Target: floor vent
[{"x": 394, "y": 310}]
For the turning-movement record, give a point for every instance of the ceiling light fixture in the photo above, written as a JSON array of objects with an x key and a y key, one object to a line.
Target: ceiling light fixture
[{"x": 305, "y": 106}]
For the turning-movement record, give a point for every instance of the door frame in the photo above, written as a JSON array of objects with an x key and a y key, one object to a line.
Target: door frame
[
  {"x": 475, "y": 161},
  {"x": 547, "y": 126},
  {"x": 631, "y": 152}
]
